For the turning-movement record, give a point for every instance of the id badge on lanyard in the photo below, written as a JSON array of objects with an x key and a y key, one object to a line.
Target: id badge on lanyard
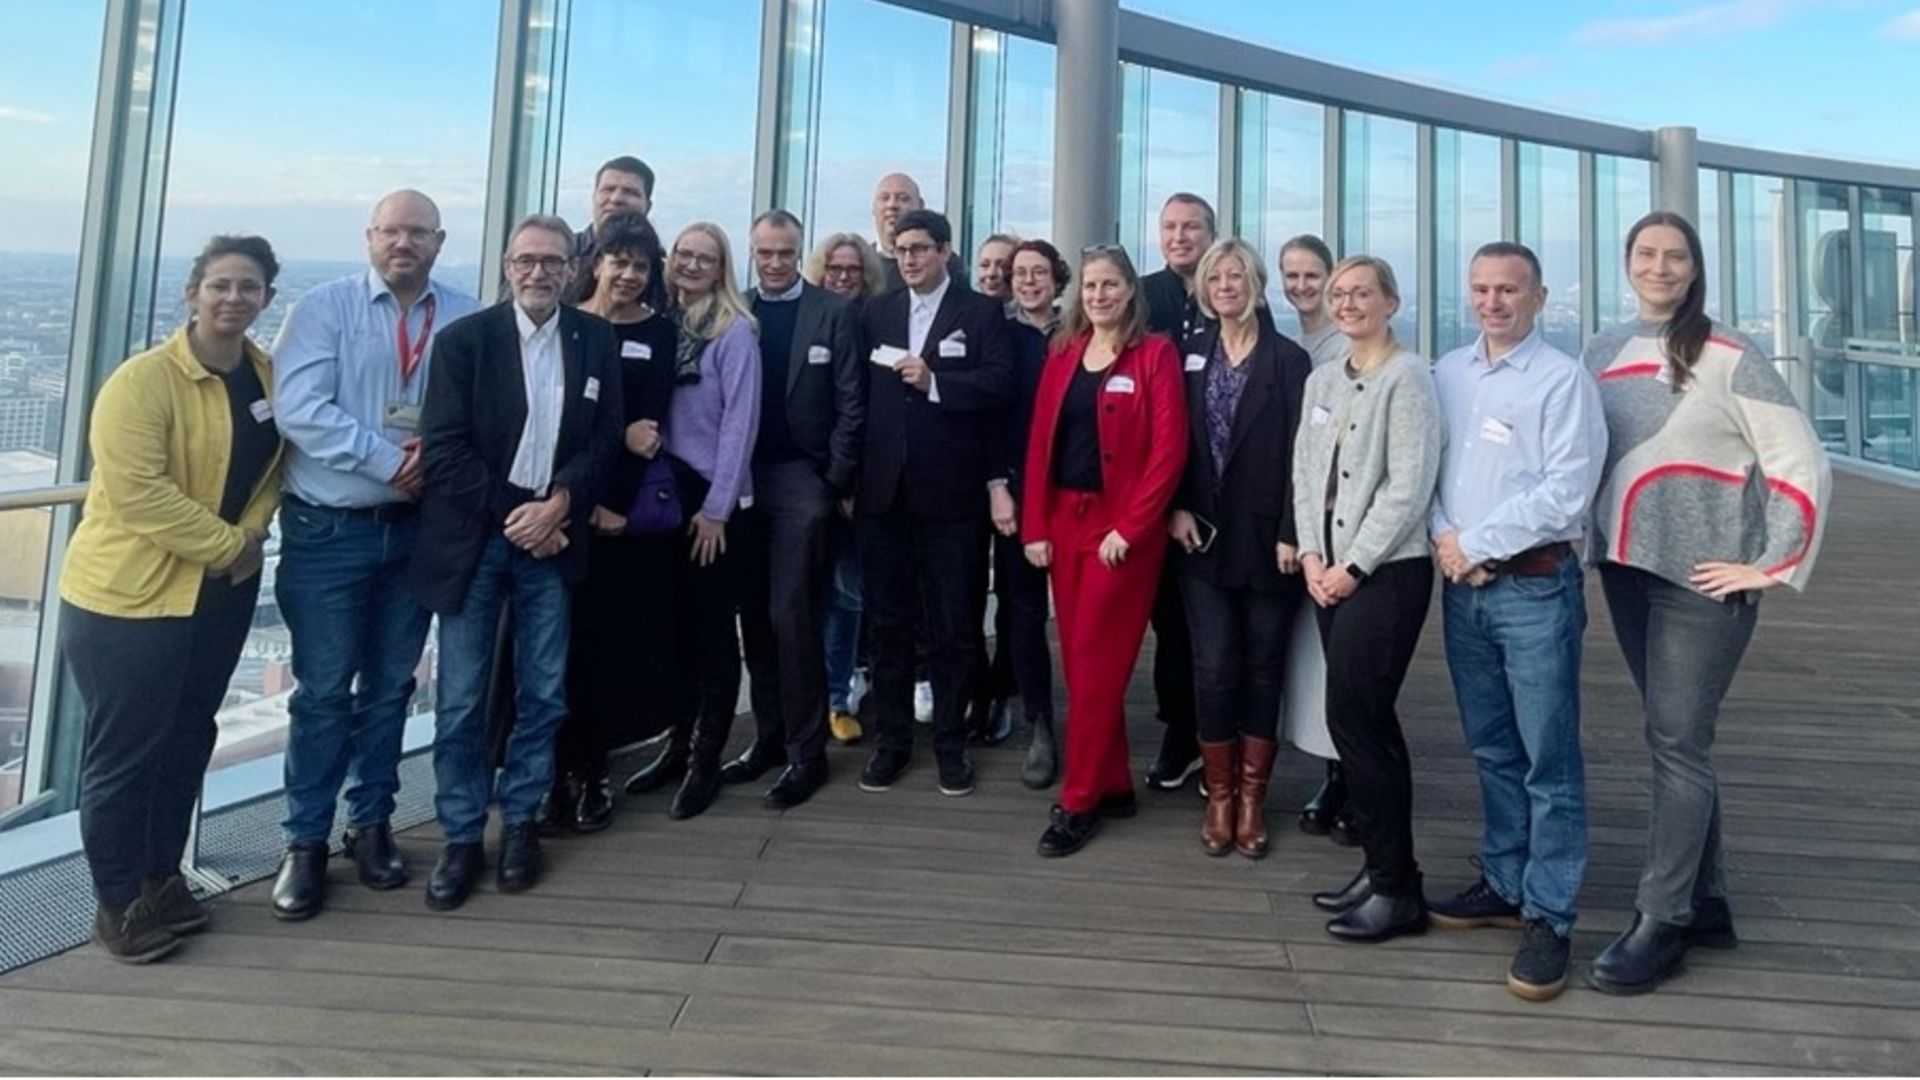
[{"x": 404, "y": 414}]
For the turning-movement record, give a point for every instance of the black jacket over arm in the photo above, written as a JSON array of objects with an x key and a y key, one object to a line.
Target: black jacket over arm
[
  {"x": 937, "y": 456},
  {"x": 827, "y": 387},
  {"x": 476, "y": 407},
  {"x": 1029, "y": 360},
  {"x": 1251, "y": 502}
]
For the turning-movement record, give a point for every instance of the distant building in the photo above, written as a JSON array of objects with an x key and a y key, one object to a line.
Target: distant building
[{"x": 23, "y": 422}]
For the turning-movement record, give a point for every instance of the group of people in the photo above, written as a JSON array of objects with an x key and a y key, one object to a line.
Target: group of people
[{"x": 628, "y": 472}]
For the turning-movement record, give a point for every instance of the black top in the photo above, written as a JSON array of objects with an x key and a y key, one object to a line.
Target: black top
[
  {"x": 1076, "y": 442},
  {"x": 254, "y": 439},
  {"x": 646, "y": 385},
  {"x": 1171, "y": 310},
  {"x": 778, "y": 319}
]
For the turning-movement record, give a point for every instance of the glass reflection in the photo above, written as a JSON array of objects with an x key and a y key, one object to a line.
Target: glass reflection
[
  {"x": 1466, "y": 214},
  {"x": 1170, "y": 143},
  {"x": 1282, "y": 182},
  {"x": 1380, "y": 206},
  {"x": 1548, "y": 187}
]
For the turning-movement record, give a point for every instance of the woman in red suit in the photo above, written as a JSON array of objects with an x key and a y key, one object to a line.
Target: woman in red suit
[{"x": 1108, "y": 444}]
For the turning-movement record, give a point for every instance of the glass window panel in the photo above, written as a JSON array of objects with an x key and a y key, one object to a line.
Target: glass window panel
[
  {"x": 1170, "y": 143},
  {"x": 885, "y": 73},
  {"x": 1757, "y": 216},
  {"x": 630, "y": 67},
  {"x": 1622, "y": 195},
  {"x": 1380, "y": 205},
  {"x": 1013, "y": 142},
  {"x": 1283, "y": 182},
  {"x": 1466, "y": 214},
  {"x": 1886, "y": 222},
  {"x": 1826, "y": 302},
  {"x": 1710, "y": 237},
  {"x": 1888, "y": 433},
  {"x": 1548, "y": 186}
]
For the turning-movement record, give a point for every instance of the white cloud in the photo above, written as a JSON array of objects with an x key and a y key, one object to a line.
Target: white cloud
[
  {"x": 1903, "y": 28},
  {"x": 24, "y": 116},
  {"x": 1690, "y": 24}
]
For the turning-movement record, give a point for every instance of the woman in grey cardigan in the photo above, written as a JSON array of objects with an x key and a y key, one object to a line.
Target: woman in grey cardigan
[{"x": 1364, "y": 466}]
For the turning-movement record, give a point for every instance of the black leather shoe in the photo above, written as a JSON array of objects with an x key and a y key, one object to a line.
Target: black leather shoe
[
  {"x": 697, "y": 791},
  {"x": 669, "y": 766},
  {"x": 797, "y": 784},
  {"x": 1712, "y": 925},
  {"x": 380, "y": 864},
  {"x": 519, "y": 857},
  {"x": 301, "y": 886},
  {"x": 1341, "y": 900},
  {"x": 455, "y": 875},
  {"x": 1123, "y": 805},
  {"x": 1067, "y": 832},
  {"x": 956, "y": 775},
  {"x": 998, "y": 726},
  {"x": 550, "y": 815},
  {"x": 753, "y": 763},
  {"x": 594, "y": 809},
  {"x": 1179, "y": 758},
  {"x": 1475, "y": 906},
  {"x": 1648, "y": 954},
  {"x": 1317, "y": 817},
  {"x": 1380, "y": 917},
  {"x": 884, "y": 769}
]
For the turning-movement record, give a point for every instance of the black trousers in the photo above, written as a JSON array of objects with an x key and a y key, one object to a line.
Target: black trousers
[
  {"x": 918, "y": 571},
  {"x": 706, "y": 609},
  {"x": 1173, "y": 656},
  {"x": 1369, "y": 639},
  {"x": 620, "y": 653},
  {"x": 1239, "y": 656},
  {"x": 785, "y": 563},
  {"x": 150, "y": 688},
  {"x": 1021, "y": 658}
]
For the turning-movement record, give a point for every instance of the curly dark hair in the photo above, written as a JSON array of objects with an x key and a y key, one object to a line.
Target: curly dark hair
[
  {"x": 1057, "y": 266},
  {"x": 253, "y": 247}
]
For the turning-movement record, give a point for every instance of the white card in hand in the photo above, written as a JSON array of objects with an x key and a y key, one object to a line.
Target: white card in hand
[{"x": 889, "y": 356}]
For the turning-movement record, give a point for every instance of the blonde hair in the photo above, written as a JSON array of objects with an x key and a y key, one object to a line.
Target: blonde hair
[
  {"x": 873, "y": 279},
  {"x": 1231, "y": 248},
  {"x": 724, "y": 302},
  {"x": 1382, "y": 273}
]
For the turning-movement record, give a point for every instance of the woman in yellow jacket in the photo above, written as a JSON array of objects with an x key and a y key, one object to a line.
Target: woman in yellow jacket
[{"x": 159, "y": 584}]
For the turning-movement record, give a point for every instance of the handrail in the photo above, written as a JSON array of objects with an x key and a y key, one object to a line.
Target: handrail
[{"x": 35, "y": 498}]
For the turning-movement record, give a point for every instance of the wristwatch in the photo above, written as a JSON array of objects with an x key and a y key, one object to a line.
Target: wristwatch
[{"x": 1354, "y": 572}]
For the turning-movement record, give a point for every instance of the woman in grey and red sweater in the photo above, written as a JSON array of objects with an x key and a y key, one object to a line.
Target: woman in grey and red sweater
[{"x": 1715, "y": 490}]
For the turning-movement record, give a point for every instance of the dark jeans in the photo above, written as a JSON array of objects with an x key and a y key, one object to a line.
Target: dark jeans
[
  {"x": 1239, "y": 656},
  {"x": 1370, "y": 638},
  {"x": 922, "y": 573},
  {"x": 1683, "y": 649},
  {"x": 357, "y": 633},
  {"x": 843, "y": 608},
  {"x": 706, "y": 611},
  {"x": 1173, "y": 656},
  {"x": 785, "y": 553},
  {"x": 150, "y": 688},
  {"x": 1020, "y": 628}
]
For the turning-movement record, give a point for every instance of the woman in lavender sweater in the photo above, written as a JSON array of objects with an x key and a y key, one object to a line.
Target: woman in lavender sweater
[{"x": 711, "y": 424}]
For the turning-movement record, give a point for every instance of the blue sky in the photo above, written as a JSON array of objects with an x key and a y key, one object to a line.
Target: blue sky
[{"x": 295, "y": 114}]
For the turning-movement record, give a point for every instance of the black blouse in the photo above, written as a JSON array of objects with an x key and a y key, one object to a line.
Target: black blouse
[
  {"x": 254, "y": 439},
  {"x": 1076, "y": 444}
]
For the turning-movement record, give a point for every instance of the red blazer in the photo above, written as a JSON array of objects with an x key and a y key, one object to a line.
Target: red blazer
[{"x": 1143, "y": 438}]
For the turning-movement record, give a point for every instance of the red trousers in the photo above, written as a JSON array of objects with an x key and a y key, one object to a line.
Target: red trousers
[{"x": 1103, "y": 615}]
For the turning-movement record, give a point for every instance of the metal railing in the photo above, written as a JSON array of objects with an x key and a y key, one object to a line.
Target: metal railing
[{"x": 43, "y": 497}]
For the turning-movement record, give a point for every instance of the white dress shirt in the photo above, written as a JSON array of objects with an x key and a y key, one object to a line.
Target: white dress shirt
[
  {"x": 920, "y": 312},
  {"x": 545, "y": 377}
]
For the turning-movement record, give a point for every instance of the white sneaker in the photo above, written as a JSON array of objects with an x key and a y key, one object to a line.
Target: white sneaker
[
  {"x": 923, "y": 702},
  {"x": 856, "y": 692}
]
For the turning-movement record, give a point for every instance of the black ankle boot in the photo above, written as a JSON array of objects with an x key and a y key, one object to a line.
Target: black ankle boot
[
  {"x": 1341, "y": 900},
  {"x": 669, "y": 766},
  {"x": 1380, "y": 917},
  {"x": 593, "y": 810},
  {"x": 704, "y": 775},
  {"x": 1042, "y": 762},
  {"x": 1317, "y": 817},
  {"x": 1646, "y": 955}
]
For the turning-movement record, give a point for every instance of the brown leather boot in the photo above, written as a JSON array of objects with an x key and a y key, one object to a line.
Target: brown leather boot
[
  {"x": 1218, "y": 763},
  {"x": 1250, "y": 824}
]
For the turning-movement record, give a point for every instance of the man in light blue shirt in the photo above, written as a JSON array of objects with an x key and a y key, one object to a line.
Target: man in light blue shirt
[
  {"x": 1525, "y": 440},
  {"x": 350, "y": 373}
]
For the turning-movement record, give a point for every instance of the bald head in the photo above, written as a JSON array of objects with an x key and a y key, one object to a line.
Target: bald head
[
  {"x": 894, "y": 195},
  {"x": 403, "y": 240}
]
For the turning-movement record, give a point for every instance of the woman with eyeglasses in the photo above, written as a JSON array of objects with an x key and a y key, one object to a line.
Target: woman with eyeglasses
[
  {"x": 1715, "y": 491},
  {"x": 1107, "y": 446},
  {"x": 158, "y": 589},
  {"x": 1233, "y": 516},
  {"x": 712, "y": 421},
  {"x": 1364, "y": 466},
  {"x": 620, "y": 650}
]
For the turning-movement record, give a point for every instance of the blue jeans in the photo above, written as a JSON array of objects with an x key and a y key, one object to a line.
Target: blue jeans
[
  {"x": 1513, "y": 648},
  {"x": 461, "y": 764},
  {"x": 843, "y": 618},
  {"x": 357, "y": 633}
]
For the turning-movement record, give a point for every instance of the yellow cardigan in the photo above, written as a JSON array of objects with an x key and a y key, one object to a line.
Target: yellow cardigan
[{"x": 161, "y": 434}]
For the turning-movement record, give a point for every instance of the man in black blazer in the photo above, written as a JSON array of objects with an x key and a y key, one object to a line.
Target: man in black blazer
[
  {"x": 521, "y": 425},
  {"x": 806, "y": 457},
  {"x": 940, "y": 380}
]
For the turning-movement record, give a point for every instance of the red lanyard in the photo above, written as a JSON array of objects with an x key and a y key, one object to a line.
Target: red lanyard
[{"x": 410, "y": 353}]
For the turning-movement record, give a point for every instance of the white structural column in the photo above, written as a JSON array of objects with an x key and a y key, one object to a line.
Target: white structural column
[
  {"x": 1086, "y": 120},
  {"x": 1676, "y": 171}
]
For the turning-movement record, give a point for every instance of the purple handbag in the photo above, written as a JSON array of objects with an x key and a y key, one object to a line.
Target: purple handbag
[{"x": 656, "y": 503}]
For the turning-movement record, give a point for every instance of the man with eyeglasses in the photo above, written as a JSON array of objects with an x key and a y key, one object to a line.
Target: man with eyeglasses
[
  {"x": 806, "y": 458},
  {"x": 1187, "y": 230},
  {"x": 940, "y": 380},
  {"x": 623, "y": 185},
  {"x": 896, "y": 195},
  {"x": 350, "y": 372},
  {"x": 522, "y": 425}
]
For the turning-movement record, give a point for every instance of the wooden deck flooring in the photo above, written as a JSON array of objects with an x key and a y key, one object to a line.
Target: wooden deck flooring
[{"x": 910, "y": 933}]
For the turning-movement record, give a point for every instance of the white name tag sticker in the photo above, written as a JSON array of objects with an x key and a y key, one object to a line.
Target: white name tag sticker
[
  {"x": 636, "y": 350},
  {"x": 402, "y": 416},
  {"x": 1322, "y": 416},
  {"x": 593, "y": 389},
  {"x": 1120, "y": 384},
  {"x": 951, "y": 349},
  {"x": 819, "y": 354},
  {"x": 889, "y": 356},
  {"x": 1196, "y": 362},
  {"x": 262, "y": 411},
  {"x": 1496, "y": 431}
]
